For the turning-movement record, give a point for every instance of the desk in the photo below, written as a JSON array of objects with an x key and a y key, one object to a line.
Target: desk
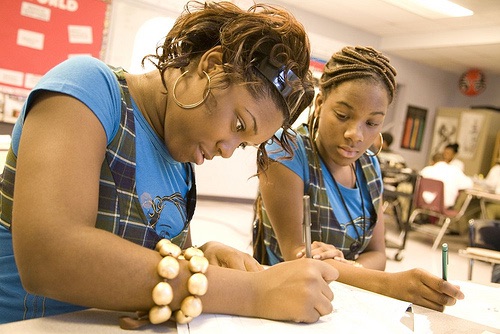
[
  {"x": 484, "y": 197},
  {"x": 91, "y": 321},
  {"x": 399, "y": 200},
  {"x": 106, "y": 322}
]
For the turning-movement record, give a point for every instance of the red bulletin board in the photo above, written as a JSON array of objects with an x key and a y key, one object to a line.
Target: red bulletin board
[{"x": 36, "y": 35}]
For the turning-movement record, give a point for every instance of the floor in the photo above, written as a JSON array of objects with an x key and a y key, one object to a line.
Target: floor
[{"x": 231, "y": 223}]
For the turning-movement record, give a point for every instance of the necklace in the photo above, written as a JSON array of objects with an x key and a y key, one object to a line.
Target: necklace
[{"x": 360, "y": 240}]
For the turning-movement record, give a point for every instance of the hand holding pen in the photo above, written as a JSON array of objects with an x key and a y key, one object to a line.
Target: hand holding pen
[{"x": 327, "y": 251}]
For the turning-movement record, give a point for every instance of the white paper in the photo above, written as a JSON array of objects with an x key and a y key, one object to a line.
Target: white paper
[
  {"x": 80, "y": 34},
  {"x": 35, "y": 11},
  {"x": 10, "y": 77},
  {"x": 481, "y": 304},
  {"x": 356, "y": 311},
  {"x": 30, "y": 39},
  {"x": 31, "y": 80}
]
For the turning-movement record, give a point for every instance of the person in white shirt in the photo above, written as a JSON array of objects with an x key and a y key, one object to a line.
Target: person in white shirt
[
  {"x": 493, "y": 209},
  {"x": 387, "y": 156},
  {"x": 493, "y": 177},
  {"x": 493, "y": 183},
  {"x": 453, "y": 178},
  {"x": 450, "y": 156}
]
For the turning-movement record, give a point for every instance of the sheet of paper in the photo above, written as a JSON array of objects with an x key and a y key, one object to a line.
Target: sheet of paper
[
  {"x": 481, "y": 304},
  {"x": 356, "y": 311}
]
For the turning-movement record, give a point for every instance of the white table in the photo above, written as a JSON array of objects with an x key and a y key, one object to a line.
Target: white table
[{"x": 96, "y": 321}]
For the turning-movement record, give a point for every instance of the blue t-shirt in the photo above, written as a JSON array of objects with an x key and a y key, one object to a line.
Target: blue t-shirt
[
  {"x": 159, "y": 177},
  {"x": 300, "y": 166}
]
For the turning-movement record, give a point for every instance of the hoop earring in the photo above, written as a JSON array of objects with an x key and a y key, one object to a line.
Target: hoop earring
[
  {"x": 380, "y": 148},
  {"x": 193, "y": 105},
  {"x": 314, "y": 128}
]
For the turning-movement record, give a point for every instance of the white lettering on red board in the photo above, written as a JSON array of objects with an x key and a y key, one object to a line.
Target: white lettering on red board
[{"x": 69, "y": 5}]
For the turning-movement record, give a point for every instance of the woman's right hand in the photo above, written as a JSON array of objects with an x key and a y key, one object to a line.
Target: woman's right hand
[
  {"x": 423, "y": 288},
  {"x": 295, "y": 291}
]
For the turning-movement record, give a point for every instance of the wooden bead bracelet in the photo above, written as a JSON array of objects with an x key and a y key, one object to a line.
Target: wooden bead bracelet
[{"x": 163, "y": 294}]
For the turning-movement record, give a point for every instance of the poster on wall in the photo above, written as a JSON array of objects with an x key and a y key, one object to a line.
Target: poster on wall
[
  {"x": 39, "y": 34},
  {"x": 468, "y": 135},
  {"x": 445, "y": 132},
  {"x": 316, "y": 66},
  {"x": 413, "y": 134}
]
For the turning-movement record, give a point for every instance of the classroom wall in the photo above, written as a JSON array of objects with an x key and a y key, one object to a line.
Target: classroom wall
[{"x": 419, "y": 85}]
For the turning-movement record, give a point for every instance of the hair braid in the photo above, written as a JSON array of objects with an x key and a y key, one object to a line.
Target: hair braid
[
  {"x": 358, "y": 62},
  {"x": 352, "y": 63}
]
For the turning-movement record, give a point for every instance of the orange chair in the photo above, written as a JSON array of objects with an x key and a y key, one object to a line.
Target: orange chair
[{"x": 428, "y": 199}]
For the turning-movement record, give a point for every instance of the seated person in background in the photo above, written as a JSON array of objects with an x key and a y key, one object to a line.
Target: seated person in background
[
  {"x": 453, "y": 178},
  {"x": 450, "y": 156},
  {"x": 454, "y": 181},
  {"x": 386, "y": 156},
  {"x": 493, "y": 182},
  {"x": 493, "y": 177},
  {"x": 332, "y": 164}
]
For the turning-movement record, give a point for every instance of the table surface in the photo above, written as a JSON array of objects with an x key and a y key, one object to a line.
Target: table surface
[
  {"x": 106, "y": 322},
  {"x": 480, "y": 193}
]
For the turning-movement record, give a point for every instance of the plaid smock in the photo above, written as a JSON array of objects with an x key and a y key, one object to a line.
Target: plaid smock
[
  {"x": 324, "y": 224},
  {"x": 119, "y": 208}
]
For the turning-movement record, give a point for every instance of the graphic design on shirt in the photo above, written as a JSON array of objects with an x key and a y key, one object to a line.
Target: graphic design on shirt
[{"x": 155, "y": 207}]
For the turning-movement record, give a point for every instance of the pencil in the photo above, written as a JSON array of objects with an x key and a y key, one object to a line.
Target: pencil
[{"x": 306, "y": 225}]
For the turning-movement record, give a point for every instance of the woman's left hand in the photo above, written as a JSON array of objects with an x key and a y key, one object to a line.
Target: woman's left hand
[
  {"x": 222, "y": 255},
  {"x": 322, "y": 251}
]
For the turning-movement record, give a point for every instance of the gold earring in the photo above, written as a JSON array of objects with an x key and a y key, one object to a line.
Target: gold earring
[
  {"x": 193, "y": 105},
  {"x": 380, "y": 148},
  {"x": 313, "y": 131}
]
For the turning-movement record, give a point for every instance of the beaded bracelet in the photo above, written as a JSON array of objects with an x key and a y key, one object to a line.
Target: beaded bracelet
[
  {"x": 168, "y": 268},
  {"x": 162, "y": 294}
]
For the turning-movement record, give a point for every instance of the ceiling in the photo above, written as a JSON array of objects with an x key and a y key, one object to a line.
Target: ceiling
[{"x": 450, "y": 44}]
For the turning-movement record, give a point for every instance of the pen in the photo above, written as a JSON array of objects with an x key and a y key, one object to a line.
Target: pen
[
  {"x": 306, "y": 225},
  {"x": 444, "y": 259}
]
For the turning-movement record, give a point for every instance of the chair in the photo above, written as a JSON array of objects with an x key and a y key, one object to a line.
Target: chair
[
  {"x": 428, "y": 199},
  {"x": 484, "y": 242}
]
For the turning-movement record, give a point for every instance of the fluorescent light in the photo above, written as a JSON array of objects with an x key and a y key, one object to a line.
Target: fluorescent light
[{"x": 432, "y": 8}]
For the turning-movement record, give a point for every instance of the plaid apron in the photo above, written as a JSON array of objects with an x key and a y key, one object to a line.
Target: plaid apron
[
  {"x": 324, "y": 225},
  {"x": 119, "y": 209}
]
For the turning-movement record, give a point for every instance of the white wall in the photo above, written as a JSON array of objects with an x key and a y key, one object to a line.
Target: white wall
[
  {"x": 421, "y": 86},
  {"x": 127, "y": 17}
]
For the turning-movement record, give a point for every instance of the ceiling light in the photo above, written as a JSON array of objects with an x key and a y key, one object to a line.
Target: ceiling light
[{"x": 432, "y": 8}]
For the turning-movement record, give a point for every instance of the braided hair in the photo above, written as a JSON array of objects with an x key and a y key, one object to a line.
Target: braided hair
[
  {"x": 356, "y": 63},
  {"x": 352, "y": 63}
]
